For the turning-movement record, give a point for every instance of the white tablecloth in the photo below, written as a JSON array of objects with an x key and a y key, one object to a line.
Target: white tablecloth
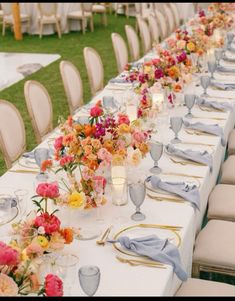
[{"x": 121, "y": 279}]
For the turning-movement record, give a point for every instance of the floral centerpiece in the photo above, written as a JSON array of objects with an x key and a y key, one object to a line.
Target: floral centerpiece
[
  {"x": 90, "y": 149},
  {"x": 19, "y": 274}
]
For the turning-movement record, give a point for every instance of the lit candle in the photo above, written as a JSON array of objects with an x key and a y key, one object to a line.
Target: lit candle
[
  {"x": 119, "y": 197},
  {"x": 131, "y": 111},
  {"x": 157, "y": 101},
  {"x": 118, "y": 171}
]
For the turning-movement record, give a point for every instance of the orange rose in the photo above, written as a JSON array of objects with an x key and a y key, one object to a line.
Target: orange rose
[
  {"x": 93, "y": 165},
  {"x": 188, "y": 62},
  {"x": 46, "y": 164},
  {"x": 108, "y": 144},
  {"x": 173, "y": 72},
  {"x": 67, "y": 234},
  {"x": 191, "y": 46},
  {"x": 177, "y": 88},
  {"x": 89, "y": 130}
]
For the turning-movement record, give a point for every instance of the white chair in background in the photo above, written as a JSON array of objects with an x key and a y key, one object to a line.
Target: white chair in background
[
  {"x": 101, "y": 10},
  {"x": 95, "y": 69},
  {"x": 12, "y": 133},
  {"x": 39, "y": 106},
  {"x": 48, "y": 15},
  {"x": 144, "y": 34},
  {"x": 133, "y": 42},
  {"x": 154, "y": 28},
  {"x": 175, "y": 12},
  {"x": 82, "y": 15},
  {"x": 7, "y": 17},
  {"x": 162, "y": 24},
  {"x": 120, "y": 51},
  {"x": 72, "y": 85},
  {"x": 170, "y": 19}
]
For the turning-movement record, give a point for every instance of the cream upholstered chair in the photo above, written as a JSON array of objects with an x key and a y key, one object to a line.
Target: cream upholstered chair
[
  {"x": 145, "y": 35},
  {"x": 214, "y": 249},
  {"x": 72, "y": 85},
  {"x": 175, "y": 12},
  {"x": 133, "y": 42},
  {"x": 231, "y": 143},
  {"x": 48, "y": 15},
  {"x": 227, "y": 171},
  {"x": 12, "y": 133},
  {"x": 7, "y": 17},
  {"x": 82, "y": 15},
  {"x": 39, "y": 106},
  {"x": 170, "y": 19},
  {"x": 120, "y": 50},
  {"x": 221, "y": 203},
  {"x": 95, "y": 69},
  {"x": 154, "y": 28},
  {"x": 162, "y": 24},
  {"x": 199, "y": 287},
  {"x": 100, "y": 9}
]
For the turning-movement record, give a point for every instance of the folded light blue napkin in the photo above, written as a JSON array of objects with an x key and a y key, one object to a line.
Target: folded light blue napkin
[
  {"x": 201, "y": 157},
  {"x": 157, "y": 249},
  {"x": 224, "y": 106},
  {"x": 223, "y": 86},
  {"x": 213, "y": 129},
  {"x": 118, "y": 81},
  {"x": 136, "y": 64},
  {"x": 225, "y": 69},
  {"x": 188, "y": 192}
]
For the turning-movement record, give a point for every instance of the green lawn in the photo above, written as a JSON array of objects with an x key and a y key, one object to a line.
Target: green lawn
[{"x": 70, "y": 47}]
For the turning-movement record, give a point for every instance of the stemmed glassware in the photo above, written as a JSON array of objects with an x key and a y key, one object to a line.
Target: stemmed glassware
[
  {"x": 137, "y": 194},
  {"x": 89, "y": 279},
  {"x": 211, "y": 68},
  {"x": 41, "y": 154},
  {"x": 229, "y": 39},
  {"x": 219, "y": 52},
  {"x": 205, "y": 82},
  {"x": 21, "y": 195},
  {"x": 156, "y": 150},
  {"x": 176, "y": 124},
  {"x": 189, "y": 100}
]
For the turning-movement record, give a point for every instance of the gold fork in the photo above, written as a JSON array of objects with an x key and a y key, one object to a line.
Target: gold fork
[
  {"x": 187, "y": 162},
  {"x": 158, "y": 198},
  {"x": 135, "y": 262},
  {"x": 104, "y": 237}
]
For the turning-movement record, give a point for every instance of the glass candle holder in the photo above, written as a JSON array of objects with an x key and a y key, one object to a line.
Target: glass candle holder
[{"x": 119, "y": 191}]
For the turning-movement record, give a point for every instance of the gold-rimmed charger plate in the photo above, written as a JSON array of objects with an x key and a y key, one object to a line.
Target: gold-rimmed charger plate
[
  {"x": 14, "y": 213},
  {"x": 28, "y": 163},
  {"x": 197, "y": 132},
  {"x": 141, "y": 230}
]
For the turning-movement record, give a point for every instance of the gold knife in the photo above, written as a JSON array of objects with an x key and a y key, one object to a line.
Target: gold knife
[
  {"x": 158, "y": 198},
  {"x": 23, "y": 171}
]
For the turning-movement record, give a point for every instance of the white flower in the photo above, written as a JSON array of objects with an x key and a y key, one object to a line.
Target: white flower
[{"x": 41, "y": 230}]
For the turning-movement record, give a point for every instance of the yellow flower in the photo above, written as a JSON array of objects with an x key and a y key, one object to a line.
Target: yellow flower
[
  {"x": 123, "y": 128},
  {"x": 76, "y": 199},
  {"x": 117, "y": 159},
  {"x": 24, "y": 255},
  {"x": 147, "y": 69},
  {"x": 191, "y": 46},
  {"x": 43, "y": 241}
]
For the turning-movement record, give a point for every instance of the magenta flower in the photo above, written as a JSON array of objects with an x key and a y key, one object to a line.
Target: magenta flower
[{"x": 158, "y": 73}]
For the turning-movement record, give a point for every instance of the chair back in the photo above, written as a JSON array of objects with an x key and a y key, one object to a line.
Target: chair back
[
  {"x": 144, "y": 34},
  {"x": 7, "y": 8},
  {"x": 95, "y": 69},
  {"x": 175, "y": 12},
  {"x": 133, "y": 42},
  {"x": 47, "y": 9},
  {"x": 120, "y": 50},
  {"x": 72, "y": 85},
  {"x": 170, "y": 19},
  {"x": 154, "y": 28},
  {"x": 87, "y": 7},
  {"x": 162, "y": 24},
  {"x": 12, "y": 133},
  {"x": 39, "y": 106}
]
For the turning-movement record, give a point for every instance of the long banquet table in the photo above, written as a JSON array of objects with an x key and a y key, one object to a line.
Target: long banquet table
[{"x": 119, "y": 279}]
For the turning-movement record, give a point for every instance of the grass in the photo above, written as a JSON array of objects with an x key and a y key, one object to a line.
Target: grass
[{"x": 70, "y": 47}]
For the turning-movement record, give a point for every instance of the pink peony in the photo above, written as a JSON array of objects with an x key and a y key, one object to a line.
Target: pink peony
[
  {"x": 8, "y": 287},
  {"x": 122, "y": 118},
  {"x": 8, "y": 255},
  {"x": 53, "y": 286},
  {"x": 99, "y": 183},
  {"x": 48, "y": 190},
  {"x": 50, "y": 222},
  {"x": 58, "y": 143},
  {"x": 138, "y": 136},
  {"x": 96, "y": 111},
  {"x": 104, "y": 155},
  {"x": 66, "y": 160}
]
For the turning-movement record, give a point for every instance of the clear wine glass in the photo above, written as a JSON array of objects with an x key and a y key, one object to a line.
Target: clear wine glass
[
  {"x": 137, "y": 193},
  {"x": 176, "y": 124},
  {"x": 89, "y": 279},
  {"x": 219, "y": 52},
  {"x": 205, "y": 82},
  {"x": 211, "y": 68},
  {"x": 229, "y": 39},
  {"x": 189, "y": 100},
  {"x": 156, "y": 150},
  {"x": 41, "y": 154}
]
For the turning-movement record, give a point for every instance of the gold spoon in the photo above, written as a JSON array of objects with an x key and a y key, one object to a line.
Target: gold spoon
[{"x": 104, "y": 237}]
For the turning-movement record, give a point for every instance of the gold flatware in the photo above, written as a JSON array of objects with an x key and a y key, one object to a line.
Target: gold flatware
[
  {"x": 135, "y": 262},
  {"x": 23, "y": 171},
  {"x": 196, "y": 143},
  {"x": 221, "y": 97},
  {"x": 182, "y": 174},
  {"x": 210, "y": 109},
  {"x": 104, "y": 237},
  {"x": 198, "y": 133},
  {"x": 187, "y": 162},
  {"x": 160, "y": 199},
  {"x": 210, "y": 117}
]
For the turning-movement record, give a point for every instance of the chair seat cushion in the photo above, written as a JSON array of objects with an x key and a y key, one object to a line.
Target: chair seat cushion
[
  {"x": 215, "y": 245},
  {"x": 49, "y": 19},
  {"x": 228, "y": 174},
  {"x": 222, "y": 203},
  {"x": 231, "y": 143},
  {"x": 199, "y": 287},
  {"x": 97, "y": 8},
  {"x": 78, "y": 14}
]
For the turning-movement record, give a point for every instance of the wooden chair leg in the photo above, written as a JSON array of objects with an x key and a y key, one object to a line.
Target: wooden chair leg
[
  {"x": 28, "y": 26},
  {"x": 91, "y": 24},
  {"x": 3, "y": 28},
  {"x": 105, "y": 19},
  {"x": 196, "y": 270},
  {"x": 83, "y": 26},
  {"x": 40, "y": 30},
  {"x": 58, "y": 29}
]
